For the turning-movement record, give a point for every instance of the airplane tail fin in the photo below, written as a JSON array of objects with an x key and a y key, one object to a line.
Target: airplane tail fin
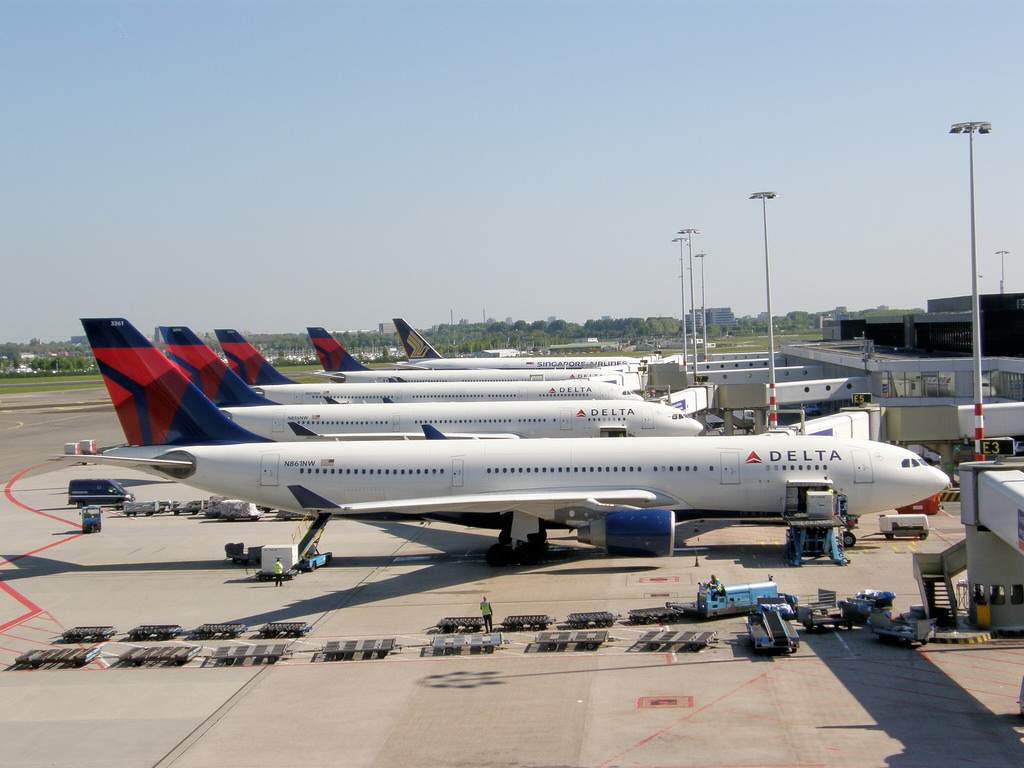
[
  {"x": 415, "y": 346},
  {"x": 207, "y": 371},
  {"x": 154, "y": 401},
  {"x": 333, "y": 357},
  {"x": 247, "y": 363}
]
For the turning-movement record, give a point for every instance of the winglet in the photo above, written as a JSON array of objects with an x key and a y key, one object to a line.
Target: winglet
[
  {"x": 155, "y": 403},
  {"x": 333, "y": 357},
  {"x": 207, "y": 371},
  {"x": 432, "y": 433},
  {"x": 301, "y": 430},
  {"x": 310, "y": 500},
  {"x": 247, "y": 363},
  {"x": 415, "y": 346}
]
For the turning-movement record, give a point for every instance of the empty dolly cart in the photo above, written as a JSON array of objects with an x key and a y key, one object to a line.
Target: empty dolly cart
[
  {"x": 344, "y": 650},
  {"x": 75, "y": 657},
  {"x": 589, "y": 639}
]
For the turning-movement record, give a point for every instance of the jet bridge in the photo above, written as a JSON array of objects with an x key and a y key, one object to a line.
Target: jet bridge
[{"x": 992, "y": 511}]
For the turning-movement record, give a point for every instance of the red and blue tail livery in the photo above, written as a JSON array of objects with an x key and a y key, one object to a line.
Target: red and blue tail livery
[
  {"x": 207, "y": 371},
  {"x": 333, "y": 357},
  {"x": 247, "y": 363},
  {"x": 154, "y": 401}
]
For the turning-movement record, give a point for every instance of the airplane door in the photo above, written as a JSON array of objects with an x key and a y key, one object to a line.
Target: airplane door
[
  {"x": 730, "y": 467},
  {"x": 268, "y": 468},
  {"x": 565, "y": 419},
  {"x": 396, "y": 422},
  {"x": 648, "y": 418},
  {"x": 456, "y": 473},
  {"x": 278, "y": 423},
  {"x": 862, "y": 466}
]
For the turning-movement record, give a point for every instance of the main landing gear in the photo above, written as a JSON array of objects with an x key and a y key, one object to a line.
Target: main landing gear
[{"x": 515, "y": 550}]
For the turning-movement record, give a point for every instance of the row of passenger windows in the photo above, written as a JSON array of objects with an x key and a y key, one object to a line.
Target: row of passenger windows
[
  {"x": 537, "y": 470},
  {"x": 364, "y": 471},
  {"x": 553, "y": 470}
]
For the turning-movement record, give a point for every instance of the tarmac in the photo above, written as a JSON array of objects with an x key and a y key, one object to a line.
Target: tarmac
[{"x": 843, "y": 699}]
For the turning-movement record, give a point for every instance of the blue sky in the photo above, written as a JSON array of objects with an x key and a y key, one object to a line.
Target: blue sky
[{"x": 272, "y": 165}]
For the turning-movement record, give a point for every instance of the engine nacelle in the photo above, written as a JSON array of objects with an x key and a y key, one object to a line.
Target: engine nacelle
[{"x": 634, "y": 533}]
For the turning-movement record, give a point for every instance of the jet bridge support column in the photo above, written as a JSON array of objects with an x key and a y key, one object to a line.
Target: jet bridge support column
[{"x": 992, "y": 511}]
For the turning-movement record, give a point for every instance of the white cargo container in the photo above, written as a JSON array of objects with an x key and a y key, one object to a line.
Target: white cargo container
[
  {"x": 289, "y": 554},
  {"x": 820, "y": 504}
]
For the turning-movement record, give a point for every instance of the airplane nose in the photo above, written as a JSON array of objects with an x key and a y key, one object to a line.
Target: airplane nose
[{"x": 936, "y": 480}]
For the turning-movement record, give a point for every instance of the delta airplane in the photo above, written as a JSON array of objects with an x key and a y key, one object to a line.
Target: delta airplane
[
  {"x": 422, "y": 355},
  {"x": 226, "y": 389},
  {"x": 621, "y": 495}
]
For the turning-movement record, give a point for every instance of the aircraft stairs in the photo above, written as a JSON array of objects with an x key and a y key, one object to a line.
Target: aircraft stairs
[
  {"x": 308, "y": 532},
  {"x": 934, "y": 573}
]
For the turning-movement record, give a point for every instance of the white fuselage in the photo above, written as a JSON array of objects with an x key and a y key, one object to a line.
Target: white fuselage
[
  {"x": 614, "y": 362},
  {"x": 627, "y": 379},
  {"x": 444, "y": 391},
  {"x": 519, "y": 418},
  {"x": 564, "y": 481}
]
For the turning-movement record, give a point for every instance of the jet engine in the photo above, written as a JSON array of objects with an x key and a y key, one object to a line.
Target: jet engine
[{"x": 634, "y": 533}]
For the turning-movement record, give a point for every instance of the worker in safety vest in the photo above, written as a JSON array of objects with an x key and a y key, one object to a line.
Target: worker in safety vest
[
  {"x": 278, "y": 572},
  {"x": 485, "y": 611}
]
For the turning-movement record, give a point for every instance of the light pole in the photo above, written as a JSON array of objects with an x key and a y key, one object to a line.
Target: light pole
[
  {"x": 688, "y": 234},
  {"x": 773, "y": 408},
  {"x": 1002, "y": 268},
  {"x": 703, "y": 306},
  {"x": 979, "y": 419},
  {"x": 682, "y": 294}
]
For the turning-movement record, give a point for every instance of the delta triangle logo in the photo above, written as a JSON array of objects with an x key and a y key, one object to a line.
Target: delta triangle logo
[
  {"x": 580, "y": 413},
  {"x": 551, "y": 391},
  {"x": 753, "y": 458}
]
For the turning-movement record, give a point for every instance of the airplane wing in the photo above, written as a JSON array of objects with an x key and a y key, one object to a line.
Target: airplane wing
[
  {"x": 125, "y": 461},
  {"x": 539, "y": 504}
]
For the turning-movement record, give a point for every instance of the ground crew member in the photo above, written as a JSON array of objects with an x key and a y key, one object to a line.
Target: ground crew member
[
  {"x": 485, "y": 611},
  {"x": 715, "y": 586},
  {"x": 278, "y": 572}
]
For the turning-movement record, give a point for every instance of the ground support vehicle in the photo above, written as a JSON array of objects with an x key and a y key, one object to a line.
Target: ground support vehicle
[
  {"x": 106, "y": 493},
  {"x": 91, "y": 634},
  {"x": 147, "y": 508},
  {"x": 226, "y": 631},
  {"x": 313, "y": 561},
  {"x": 670, "y": 641},
  {"x": 192, "y": 507},
  {"x": 76, "y": 657},
  {"x": 903, "y": 526},
  {"x": 345, "y": 650},
  {"x": 822, "y": 614},
  {"x": 906, "y": 629},
  {"x": 713, "y": 600},
  {"x": 533, "y": 622},
  {"x": 155, "y": 632},
  {"x": 590, "y": 618},
  {"x": 449, "y": 644},
  {"x": 92, "y": 519},
  {"x": 268, "y": 652},
  {"x": 450, "y": 624},
  {"x": 769, "y": 632},
  {"x": 589, "y": 639},
  {"x": 161, "y": 654},
  {"x": 286, "y": 629}
]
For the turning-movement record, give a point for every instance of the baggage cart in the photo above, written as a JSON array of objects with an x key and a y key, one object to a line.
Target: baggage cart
[
  {"x": 161, "y": 654},
  {"x": 449, "y": 644},
  {"x": 75, "y": 657},
  {"x": 231, "y": 654},
  {"x": 589, "y": 640},
  {"x": 586, "y": 619},
  {"x": 346, "y": 650},
  {"x": 87, "y": 634},
  {"x": 286, "y": 629}
]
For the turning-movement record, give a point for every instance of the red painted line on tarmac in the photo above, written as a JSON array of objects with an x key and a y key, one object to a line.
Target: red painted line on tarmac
[
  {"x": 8, "y": 492},
  {"x": 615, "y": 759},
  {"x": 33, "y": 610}
]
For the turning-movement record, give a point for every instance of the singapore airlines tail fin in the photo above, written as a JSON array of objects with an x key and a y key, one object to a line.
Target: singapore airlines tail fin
[
  {"x": 154, "y": 401},
  {"x": 207, "y": 371},
  {"x": 247, "y": 363},
  {"x": 415, "y": 346},
  {"x": 333, "y": 357}
]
